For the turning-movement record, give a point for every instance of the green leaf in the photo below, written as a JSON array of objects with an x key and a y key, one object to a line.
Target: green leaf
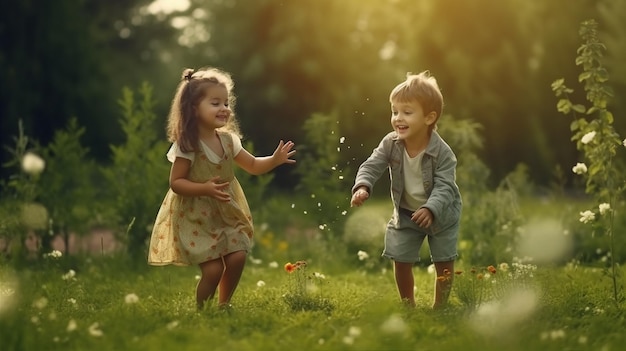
[
  {"x": 579, "y": 108},
  {"x": 584, "y": 76},
  {"x": 564, "y": 106}
]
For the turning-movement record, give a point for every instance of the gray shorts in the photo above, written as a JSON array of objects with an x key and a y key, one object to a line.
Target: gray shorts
[{"x": 404, "y": 241}]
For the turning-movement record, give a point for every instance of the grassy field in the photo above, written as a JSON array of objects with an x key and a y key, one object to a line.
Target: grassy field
[{"x": 99, "y": 304}]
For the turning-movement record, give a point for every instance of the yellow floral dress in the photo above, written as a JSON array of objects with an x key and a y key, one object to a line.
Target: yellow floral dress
[{"x": 192, "y": 230}]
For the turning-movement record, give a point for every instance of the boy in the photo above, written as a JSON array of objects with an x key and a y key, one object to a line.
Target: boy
[{"x": 426, "y": 199}]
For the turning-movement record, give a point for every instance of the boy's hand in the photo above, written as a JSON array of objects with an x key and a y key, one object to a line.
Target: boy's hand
[
  {"x": 359, "y": 197},
  {"x": 423, "y": 217},
  {"x": 215, "y": 189}
]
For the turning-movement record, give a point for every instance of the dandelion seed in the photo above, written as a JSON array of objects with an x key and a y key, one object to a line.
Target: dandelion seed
[
  {"x": 33, "y": 164},
  {"x": 342, "y": 139},
  {"x": 604, "y": 208},
  {"x": 131, "y": 298},
  {"x": 587, "y": 138},
  {"x": 197, "y": 277},
  {"x": 260, "y": 284},
  {"x": 587, "y": 216},
  {"x": 293, "y": 205},
  {"x": 273, "y": 264},
  {"x": 362, "y": 255},
  {"x": 343, "y": 213},
  {"x": 340, "y": 177},
  {"x": 94, "y": 330},
  {"x": 71, "y": 326},
  {"x": 580, "y": 168}
]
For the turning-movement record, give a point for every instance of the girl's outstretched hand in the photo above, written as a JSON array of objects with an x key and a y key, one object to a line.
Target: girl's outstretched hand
[
  {"x": 215, "y": 189},
  {"x": 283, "y": 152}
]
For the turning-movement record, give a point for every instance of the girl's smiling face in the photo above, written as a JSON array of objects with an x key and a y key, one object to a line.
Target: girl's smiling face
[
  {"x": 213, "y": 110},
  {"x": 409, "y": 121}
]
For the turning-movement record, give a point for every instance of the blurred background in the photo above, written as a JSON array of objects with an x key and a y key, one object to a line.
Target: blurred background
[{"x": 494, "y": 60}]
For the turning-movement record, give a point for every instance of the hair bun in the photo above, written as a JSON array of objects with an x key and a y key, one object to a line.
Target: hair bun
[{"x": 188, "y": 74}]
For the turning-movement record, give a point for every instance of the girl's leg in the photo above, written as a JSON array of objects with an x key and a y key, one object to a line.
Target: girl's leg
[
  {"x": 212, "y": 272},
  {"x": 233, "y": 267},
  {"x": 405, "y": 281},
  {"x": 443, "y": 287}
]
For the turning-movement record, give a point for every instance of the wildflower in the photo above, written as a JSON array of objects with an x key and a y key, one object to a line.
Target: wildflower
[
  {"x": 491, "y": 269},
  {"x": 69, "y": 275},
  {"x": 260, "y": 284},
  {"x": 289, "y": 267},
  {"x": 557, "y": 334},
  {"x": 34, "y": 319},
  {"x": 458, "y": 272},
  {"x": 131, "y": 298},
  {"x": 72, "y": 300},
  {"x": 273, "y": 264},
  {"x": 624, "y": 142},
  {"x": 197, "y": 277},
  {"x": 362, "y": 255},
  {"x": 431, "y": 269},
  {"x": 33, "y": 164},
  {"x": 480, "y": 276},
  {"x": 94, "y": 330},
  {"x": 71, "y": 325},
  {"x": 319, "y": 275},
  {"x": 53, "y": 254},
  {"x": 604, "y": 207},
  {"x": 587, "y": 216},
  {"x": 442, "y": 278},
  {"x": 580, "y": 168},
  {"x": 348, "y": 340},
  {"x": 587, "y": 138},
  {"x": 504, "y": 266}
]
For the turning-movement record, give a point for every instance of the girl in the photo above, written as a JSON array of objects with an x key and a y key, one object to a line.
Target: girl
[{"x": 204, "y": 218}]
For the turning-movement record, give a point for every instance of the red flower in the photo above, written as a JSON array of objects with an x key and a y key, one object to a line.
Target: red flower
[
  {"x": 290, "y": 267},
  {"x": 491, "y": 269}
]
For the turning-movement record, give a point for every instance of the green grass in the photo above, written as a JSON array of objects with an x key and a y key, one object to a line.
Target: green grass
[{"x": 571, "y": 309}]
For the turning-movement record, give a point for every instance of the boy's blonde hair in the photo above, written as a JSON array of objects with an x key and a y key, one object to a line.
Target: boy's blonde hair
[
  {"x": 182, "y": 125},
  {"x": 422, "y": 88}
]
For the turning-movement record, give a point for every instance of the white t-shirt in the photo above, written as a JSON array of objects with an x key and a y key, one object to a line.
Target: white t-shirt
[
  {"x": 175, "y": 151},
  {"x": 414, "y": 195}
]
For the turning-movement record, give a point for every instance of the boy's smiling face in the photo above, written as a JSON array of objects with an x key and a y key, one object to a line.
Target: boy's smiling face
[{"x": 409, "y": 121}]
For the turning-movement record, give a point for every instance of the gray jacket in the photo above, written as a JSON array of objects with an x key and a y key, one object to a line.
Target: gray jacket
[{"x": 438, "y": 172}]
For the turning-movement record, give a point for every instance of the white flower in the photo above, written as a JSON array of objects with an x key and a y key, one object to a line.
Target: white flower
[
  {"x": 260, "y": 283},
  {"x": 71, "y": 325},
  {"x": 431, "y": 269},
  {"x": 53, "y": 254},
  {"x": 557, "y": 334},
  {"x": 72, "y": 300},
  {"x": 604, "y": 207},
  {"x": 197, "y": 277},
  {"x": 33, "y": 164},
  {"x": 504, "y": 266},
  {"x": 69, "y": 275},
  {"x": 362, "y": 255},
  {"x": 624, "y": 142},
  {"x": 94, "y": 330},
  {"x": 587, "y": 138},
  {"x": 580, "y": 168},
  {"x": 319, "y": 275},
  {"x": 348, "y": 340},
  {"x": 255, "y": 260},
  {"x": 131, "y": 298},
  {"x": 587, "y": 216},
  {"x": 273, "y": 264}
]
